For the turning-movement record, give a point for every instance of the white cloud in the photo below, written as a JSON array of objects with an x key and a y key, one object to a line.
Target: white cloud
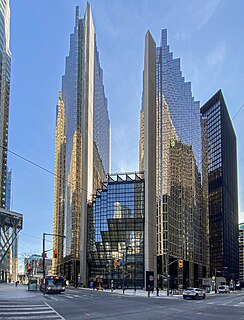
[
  {"x": 216, "y": 57},
  {"x": 207, "y": 12}
]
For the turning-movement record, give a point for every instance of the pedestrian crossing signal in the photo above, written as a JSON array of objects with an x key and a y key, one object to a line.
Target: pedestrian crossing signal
[
  {"x": 180, "y": 263},
  {"x": 115, "y": 263}
]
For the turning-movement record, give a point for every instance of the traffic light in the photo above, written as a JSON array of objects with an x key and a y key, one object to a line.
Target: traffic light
[
  {"x": 55, "y": 253},
  {"x": 28, "y": 267},
  {"x": 180, "y": 263}
]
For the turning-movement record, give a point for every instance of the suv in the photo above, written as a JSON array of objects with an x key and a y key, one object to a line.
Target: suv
[
  {"x": 223, "y": 289},
  {"x": 194, "y": 293}
]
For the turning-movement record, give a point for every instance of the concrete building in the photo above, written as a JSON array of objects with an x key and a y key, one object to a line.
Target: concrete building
[
  {"x": 82, "y": 148},
  {"x": 222, "y": 188}
]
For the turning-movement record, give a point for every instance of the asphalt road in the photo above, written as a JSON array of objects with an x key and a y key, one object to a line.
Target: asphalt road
[{"x": 18, "y": 303}]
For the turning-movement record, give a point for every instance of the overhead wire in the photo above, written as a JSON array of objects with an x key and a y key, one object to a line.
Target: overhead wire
[
  {"x": 50, "y": 172},
  {"x": 41, "y": 167},
  {"x": 237, "y": 112}
]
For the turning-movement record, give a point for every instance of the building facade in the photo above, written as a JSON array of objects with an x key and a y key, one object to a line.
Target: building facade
[
  {"x": 5, "y": 64},
  {"x": 82, "y": 148},
  {"x": 116, "y": 241},
  {"x": 222, "y": 187},
  {"x": 181, "y": 212},
  {"x": 241, "y": 253}
]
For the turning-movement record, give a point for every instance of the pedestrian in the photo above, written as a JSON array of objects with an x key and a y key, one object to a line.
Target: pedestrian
[
  {"x": 157, "y": 291},
  {"x": 16, "y": 284}
]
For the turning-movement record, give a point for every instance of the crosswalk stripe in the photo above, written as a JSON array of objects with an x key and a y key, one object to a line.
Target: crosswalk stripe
[
  {"x": 238, "y": 305},
  {"x": 35, "y": 317},
  {"x": 28, "y": 311},
  {"x": 25, "y": 312},
  {"x": 20, "y": 305},
  {"x": 23, "y": 308}
]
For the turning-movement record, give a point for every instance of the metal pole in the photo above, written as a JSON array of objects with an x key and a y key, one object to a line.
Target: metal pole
[
  {"x": 43, "y": 262},
  {"x": 215, "y": 279},
  {"x": 123, "y": 272},
  {"x": 167, "y": 261},
  {"x": 168, "y": 276}
]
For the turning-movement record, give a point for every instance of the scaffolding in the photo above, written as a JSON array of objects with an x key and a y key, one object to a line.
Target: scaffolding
[{"x": 10, "y": 225}]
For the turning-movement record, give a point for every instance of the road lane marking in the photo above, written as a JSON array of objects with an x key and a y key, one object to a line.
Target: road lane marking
[
  {"x": 61, "y": 317},
  {"x": 52, "y": 298},
  {"x": 68, "y": 296}
]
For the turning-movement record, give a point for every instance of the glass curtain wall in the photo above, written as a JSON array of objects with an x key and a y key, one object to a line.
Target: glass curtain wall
[{"x": 115, "y": 250}]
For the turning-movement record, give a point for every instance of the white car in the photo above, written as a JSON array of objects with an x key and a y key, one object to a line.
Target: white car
[
  {"x": 223, "y": 289},
  {"x": 194, "y": 293}
]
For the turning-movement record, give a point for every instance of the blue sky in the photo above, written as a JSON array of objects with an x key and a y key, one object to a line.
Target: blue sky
[{"x": 206, "y": 35}]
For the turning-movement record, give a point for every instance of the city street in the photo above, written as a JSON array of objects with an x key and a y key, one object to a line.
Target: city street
[{"x": 18, "y": 303}]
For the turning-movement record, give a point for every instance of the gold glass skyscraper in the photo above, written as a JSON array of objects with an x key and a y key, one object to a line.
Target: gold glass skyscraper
[
  {"x": 82, "y": 148},
  {"x": 182, "y": 226}
]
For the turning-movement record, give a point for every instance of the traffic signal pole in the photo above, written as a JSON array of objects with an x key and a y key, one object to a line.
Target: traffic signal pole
[
  {"x": 44, "y": 254},
  {"x": 43, "y": 261},
  {"x": 180, "y": 265}
]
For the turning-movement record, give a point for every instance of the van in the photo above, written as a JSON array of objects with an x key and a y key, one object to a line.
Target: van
[{"x": 223, "y": 289}]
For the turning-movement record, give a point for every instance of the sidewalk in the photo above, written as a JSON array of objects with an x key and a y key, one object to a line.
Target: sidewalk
[
  {"x": 10, "y": 291},
  {"x": 132, "y": 292}
]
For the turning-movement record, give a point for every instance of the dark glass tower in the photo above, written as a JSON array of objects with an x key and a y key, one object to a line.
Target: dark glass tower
[{"x": 222, "y": 187}]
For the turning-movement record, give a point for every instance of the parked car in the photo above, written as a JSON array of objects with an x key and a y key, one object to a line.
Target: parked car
[
  {"x": 238, "y": 286},
  {"x": 194, "y": 293},
  {"x": 223, "y": 289}
]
